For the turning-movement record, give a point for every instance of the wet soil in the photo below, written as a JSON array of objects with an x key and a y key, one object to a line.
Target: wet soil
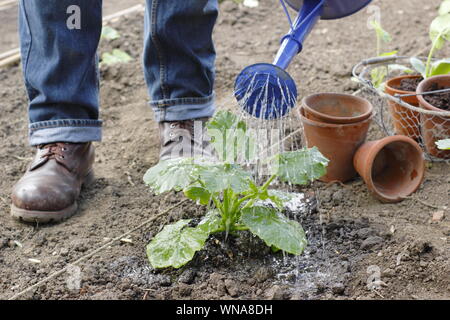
[
  {"x": 358, "y": 248},
  {"x": 439, "y": 100}
]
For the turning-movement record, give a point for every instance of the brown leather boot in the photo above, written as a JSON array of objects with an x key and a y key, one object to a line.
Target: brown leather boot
[
  {"x": 49, "y": 190},
  {"x": 184, "y": 139}
]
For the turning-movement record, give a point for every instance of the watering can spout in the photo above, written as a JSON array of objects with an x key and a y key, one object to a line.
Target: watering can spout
[
  {"x": 266, "y": 90},
  {"x": 292, "y": 43}
]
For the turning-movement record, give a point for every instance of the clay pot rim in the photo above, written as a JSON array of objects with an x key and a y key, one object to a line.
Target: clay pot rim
[
  {"x": 332, "y": 125},
  {"x": 334, "y": 119},
  {"x": 387, "y": 86},
  {"x": 373, "y": 152},
  {"x": 422, "y": 88}
]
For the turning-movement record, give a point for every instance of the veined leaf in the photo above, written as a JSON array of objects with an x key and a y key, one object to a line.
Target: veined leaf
[
  {"x": 116, "y": 56},
  {"x": 301, "y": 166},
  {"x": 440, "y": 30},
  {"x": 175, "y": 245},
  {"x": 199, "y": 194},
  {"x": 174, "y": 174},
  {"x": 443, "y": 144},
  {"x": 211, "y": 223},
  {"x": 418, "y": 65},
  {"x": 217, "y": 178},
  {"x": 230, "y": 137},
  {"x": 444, "y": 7},
  {"x": 109, "y": 33},
  {"x": 275, "y": 229},
  {"x": 440, "y": 67}
]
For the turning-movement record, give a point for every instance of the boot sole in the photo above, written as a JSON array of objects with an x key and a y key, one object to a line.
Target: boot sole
[{"x": 34, "y": 216}]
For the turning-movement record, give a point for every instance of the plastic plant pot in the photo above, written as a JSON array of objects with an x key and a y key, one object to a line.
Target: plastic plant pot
[
  {"x": 406, "y": 121},
  {"x": 337, "y": 142},
  {"x": 434, "y": 128},
  {"x": 336, "y": 108},
  {"x": 393, "y": 168}
]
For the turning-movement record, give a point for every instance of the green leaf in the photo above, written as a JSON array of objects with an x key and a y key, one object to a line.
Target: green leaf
[
  {"x": 275, "y": 229},
  {"x": 378, "y": 75},
  {"x": 444, "y": 7},
  {"x": 211, "y": 223},
  {"x": 381, "y": 33},
  {"x": 399, "y": 67},
  {"x": 199, "y": 194},
  {"x": 440, "y": 67},
  {"x": 175, "y": 245},
  {"x": 230, "y": 137},
  {"x": 301, "y": 166},
  {"x": 418, "y": 65},
  {"x": 217, "y": 178},
  {"x": 440, "y": 30},
  {"x": 109, "y": 33},
  {"x": 117, "y": 56},
  {"x": 443, "y": 144},
  {"x": 388, "y": 54},
  {"x": 174, "y": 174}
]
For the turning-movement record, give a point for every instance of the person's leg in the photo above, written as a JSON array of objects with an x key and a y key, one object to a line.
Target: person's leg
[
  {"x": 179, "y": 58},
  {"x": 59, "y": 40}
]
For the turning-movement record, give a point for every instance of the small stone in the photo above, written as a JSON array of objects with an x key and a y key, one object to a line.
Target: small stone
[
  {"x": 338, "y": 288},
  {"x": 187, "y": 276},
  {"x": 364, "y": 233},
  {"x": 275, "y": 293},
  {"x": 389, "y": 273},
  {"x": 371, "y": 242},
  {"x": 263, "y": 274},
  {"x": 64, "y": 252},
  {"x": 232, "y": 287},
  {"x": 438, "y": 216}
]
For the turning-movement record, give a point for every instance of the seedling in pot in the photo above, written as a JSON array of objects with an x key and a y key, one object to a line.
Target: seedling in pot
[
  {"x": 439, "y": 34},
  {"x": 379, "y": 74},
  {"x": 231, "y": 196}
]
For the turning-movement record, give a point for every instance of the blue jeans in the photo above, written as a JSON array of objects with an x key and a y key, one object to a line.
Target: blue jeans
[{"x": 60, "y": 64}]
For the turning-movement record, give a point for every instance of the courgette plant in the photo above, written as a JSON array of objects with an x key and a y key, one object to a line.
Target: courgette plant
[
  {"x": 231, "y": 195},
  {"x": 439, "y": 34}
]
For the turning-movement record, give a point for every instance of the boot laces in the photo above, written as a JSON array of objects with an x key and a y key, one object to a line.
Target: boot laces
[{"x": 54, "y": 150}]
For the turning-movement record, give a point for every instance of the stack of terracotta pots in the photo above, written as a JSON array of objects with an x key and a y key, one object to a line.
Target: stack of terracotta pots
[{"x": 337, "y": 124}]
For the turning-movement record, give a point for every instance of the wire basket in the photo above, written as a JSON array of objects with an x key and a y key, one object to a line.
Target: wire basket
[{"x": 395, "y": 114}]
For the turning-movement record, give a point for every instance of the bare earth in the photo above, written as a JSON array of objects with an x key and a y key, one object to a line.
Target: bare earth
[{"x": 351, "y": 235}]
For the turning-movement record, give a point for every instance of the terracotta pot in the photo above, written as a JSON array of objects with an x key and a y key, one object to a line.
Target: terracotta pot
[
  {"x": 406, "y": 121},
  {"x": 393, "y": 167},
  {"x": 336, "y": 108},
  {"x": 434, "y": 128},
  {"x": 337, "y": 142}
]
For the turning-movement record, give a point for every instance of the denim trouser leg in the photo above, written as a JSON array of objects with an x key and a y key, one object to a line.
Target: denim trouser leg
[
  {"x": 59, "y": 40},
  {"x": 179, "y": 58}
]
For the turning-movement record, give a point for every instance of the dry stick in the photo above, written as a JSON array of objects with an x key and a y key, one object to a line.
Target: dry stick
[
  {"x": 91, "y": 254},
  {"x": 13, "y": 56},
  {"x": 9, "y": 53}
]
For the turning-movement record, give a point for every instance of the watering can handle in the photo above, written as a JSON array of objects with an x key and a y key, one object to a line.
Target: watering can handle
[{"x": 292, "y": 43}]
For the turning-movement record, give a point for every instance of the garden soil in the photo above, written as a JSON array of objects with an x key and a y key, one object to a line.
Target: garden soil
[{"x": 358, "y": 247}]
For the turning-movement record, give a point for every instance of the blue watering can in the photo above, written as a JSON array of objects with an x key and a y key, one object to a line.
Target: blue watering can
[{"x": 266, "y": 90}]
